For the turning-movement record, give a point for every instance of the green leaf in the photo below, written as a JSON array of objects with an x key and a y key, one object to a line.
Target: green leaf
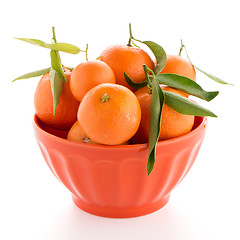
[
  {"x": 159, "y": 54},
  {"x": 185, "y": 106},
  {"x": 56, "y": 63},
  {"x": 33, "y": 41},
  {"x": 63, "y": 47},
  {"x": 186, "y": 85},
  {"x": 216, "y": 79},
  {"x": 157, "y": 102},
  {"x": 56, "y": 80},
  {"x": 134, "y": 84},
  {"x": 33, "y": 74}
]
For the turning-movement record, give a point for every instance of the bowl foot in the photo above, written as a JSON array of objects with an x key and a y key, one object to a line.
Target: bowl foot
[{"x": 121, "y": 212}]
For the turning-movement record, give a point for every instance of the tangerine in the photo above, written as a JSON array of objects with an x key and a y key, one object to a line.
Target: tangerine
[
  {"x": 88, "y": 75},
  {"x": 178, "y": 65},
  {"x": 109, "y": 114},
  {"x": 173, "y": 124},
  {"x": 127, "y": 59},
  {"x": 76, "y": 134},
  {"x": 66, "y": 110}
]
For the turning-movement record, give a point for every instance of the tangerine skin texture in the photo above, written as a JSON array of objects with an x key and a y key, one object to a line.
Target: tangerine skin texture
[
  {"x": 113, "y": 121},
  {"x": 127, "y": 59},
  {"x": 76, "y": 134},
  {"x": 88, "y": 75},
  {"x": 173, "y": 124},
  {"x": 66, "y": 111},
  {"x": 178, "y": 65}
]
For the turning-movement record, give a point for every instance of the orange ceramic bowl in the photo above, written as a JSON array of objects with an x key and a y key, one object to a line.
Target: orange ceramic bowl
[{"x": 112, "y": 181}]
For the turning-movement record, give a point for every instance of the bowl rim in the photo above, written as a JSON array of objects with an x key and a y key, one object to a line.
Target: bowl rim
[{"x": 127, "y": 146}]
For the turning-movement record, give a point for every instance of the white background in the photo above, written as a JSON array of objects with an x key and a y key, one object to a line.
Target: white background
[{"x": 33, "y": 204}]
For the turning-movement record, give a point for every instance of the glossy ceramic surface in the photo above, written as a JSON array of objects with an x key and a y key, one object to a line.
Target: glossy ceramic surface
[{"x": 112, "y": 181}]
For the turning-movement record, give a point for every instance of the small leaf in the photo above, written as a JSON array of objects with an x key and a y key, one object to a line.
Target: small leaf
[
  {"x": 186, "y": 85},
  {"x": 134, "y": 84},
  {"x": 157, "y": 102},
  {"x": 216, "y": 79},
  {"x": 185, "y": 106},
  {"x": 33, "y": 74},
  {"x": 63, "y": 47},
  {"x": 56, "y": 80},
  {"x": 56, "y": 64},
  {"x": 159, "y": 54},
  {"x": 33, "y": 41}
]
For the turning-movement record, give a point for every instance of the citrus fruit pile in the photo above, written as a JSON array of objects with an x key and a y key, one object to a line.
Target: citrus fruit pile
[{"x": 123, "y": 97}]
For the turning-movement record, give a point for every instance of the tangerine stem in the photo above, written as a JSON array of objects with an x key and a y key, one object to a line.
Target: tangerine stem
[
  {"x": 85, "y": 139},
  {"x": 105, "y": 98},
  {"x": 54, "y": 35},
  {"x": 150, "y": 89},
  {"x": 86, "y": 51},
  {"x": 134, "y": 44},
  {"x": 182, "y": 46},
  {"x": 146, "y": 74},
  {"x": 130, "y": 36},
  {"x": 151, "y": 71}
]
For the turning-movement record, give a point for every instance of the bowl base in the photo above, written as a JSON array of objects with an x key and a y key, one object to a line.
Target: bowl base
[{"x": 113, "y": 212}]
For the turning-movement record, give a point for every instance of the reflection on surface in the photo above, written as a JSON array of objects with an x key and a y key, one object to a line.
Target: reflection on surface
[{"x": 72, "y": 223}]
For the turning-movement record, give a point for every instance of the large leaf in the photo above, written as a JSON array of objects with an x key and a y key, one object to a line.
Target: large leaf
[
  {"x": 56, "y": 63},
  {"x": 33, "y": 74},
  {"x": 56, "y": 80},
  {"x": 63, "y": 47},
  {"x": 157, "y": 102},
  {"x": 159, "y": 54},
  {"x": 185, "y": 106},
  {"x": 186, "y": 85}
]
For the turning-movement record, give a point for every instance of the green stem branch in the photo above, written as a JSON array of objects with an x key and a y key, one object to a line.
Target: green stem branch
[
  {"x": 86, "y": 51},
  {"x": 54, "y": 35},
  {"x": 130, "y": 36},
  {"x": 147, "y": 76},
  {"x": 181, "y": 48}
]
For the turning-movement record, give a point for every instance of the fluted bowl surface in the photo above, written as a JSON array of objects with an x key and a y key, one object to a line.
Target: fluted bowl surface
[{"x": 112, "y": 181}]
